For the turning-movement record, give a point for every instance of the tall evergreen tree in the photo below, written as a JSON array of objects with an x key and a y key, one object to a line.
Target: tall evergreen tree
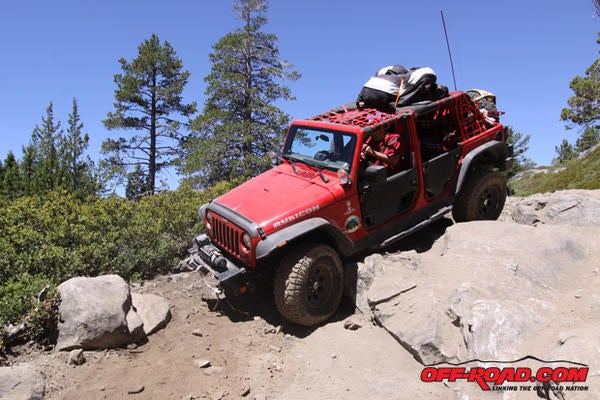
[
  {"x": 28, "y": 170},
  {"x": 136, "y": 184},
  {"x": 10, "y": 184},
  {"x": 148, "y": 101},
  {"x": 520, "y": 142},
  {"x": 79, "y": 174},
  {"x": 44, "y": 139},
  {"x": 584, "y": 106},
  {"x": 588, "y": 139},
  {"x": 583, "y": 110},
  {"x": 240, "y": 123}
]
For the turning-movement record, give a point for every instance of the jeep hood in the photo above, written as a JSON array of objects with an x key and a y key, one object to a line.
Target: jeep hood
[{"x": 278, "y": 196}]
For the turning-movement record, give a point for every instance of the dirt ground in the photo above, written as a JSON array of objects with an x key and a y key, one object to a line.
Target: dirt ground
[{"x": 250, "y": 351}]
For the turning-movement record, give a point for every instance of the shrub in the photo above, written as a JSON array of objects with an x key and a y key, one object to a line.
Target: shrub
[
  {"x": 19, "y": 304},
  {"x": 18, "y": 297},
  {"x": 47, "y": 240}
]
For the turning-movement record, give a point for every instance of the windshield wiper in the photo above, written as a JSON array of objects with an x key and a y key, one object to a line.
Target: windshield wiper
[
  {"x": 323, "y": 177},
  {"x": 320, "y": 171},
  {"x": 290, "y": 159},
  {"x": 291, "y": 163}
]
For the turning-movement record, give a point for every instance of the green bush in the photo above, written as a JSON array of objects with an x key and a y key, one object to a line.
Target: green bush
[
  {"x": 60, "y": 236},
  {"x": 19, "y": 303},
  {"x": 47, "y": 240},
  {"x": 18, "y": 297}
]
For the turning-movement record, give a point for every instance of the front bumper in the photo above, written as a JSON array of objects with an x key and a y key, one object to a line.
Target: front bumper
[{"x": 209, "y": 259}]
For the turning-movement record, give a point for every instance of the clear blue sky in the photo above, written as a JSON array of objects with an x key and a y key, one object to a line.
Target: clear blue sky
[{"x": 526, "y": 52}]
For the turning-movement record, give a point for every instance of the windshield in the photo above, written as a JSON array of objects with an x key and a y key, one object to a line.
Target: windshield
[{"x": 321, "y": 148}]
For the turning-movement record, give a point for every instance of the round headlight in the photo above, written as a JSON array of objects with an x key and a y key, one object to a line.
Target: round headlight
[
  {"x": 209, "y": 220},
  {"x": 246, "y": 241}
]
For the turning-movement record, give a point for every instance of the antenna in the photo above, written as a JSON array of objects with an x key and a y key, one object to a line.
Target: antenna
[{"x": 449, "y": 52}]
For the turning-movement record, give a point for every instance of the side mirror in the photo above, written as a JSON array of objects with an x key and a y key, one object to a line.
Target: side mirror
[{"x": 375, "y": 174}]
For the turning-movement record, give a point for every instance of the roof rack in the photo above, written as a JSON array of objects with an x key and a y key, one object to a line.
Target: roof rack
[
  {"x": 457, "y": 104},
  {"x": 350, "y": 114}
]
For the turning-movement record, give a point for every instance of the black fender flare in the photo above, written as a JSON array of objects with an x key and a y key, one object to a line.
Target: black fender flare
[
  {"x": 280, "y": 238},
  {"x": 495, "y": 151}
]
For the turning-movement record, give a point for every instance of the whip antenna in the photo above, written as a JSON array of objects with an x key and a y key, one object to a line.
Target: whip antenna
[{"x": 449, "y": 52}]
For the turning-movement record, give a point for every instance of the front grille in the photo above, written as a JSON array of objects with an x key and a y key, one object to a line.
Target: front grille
[{"x": 227, "y": 235}]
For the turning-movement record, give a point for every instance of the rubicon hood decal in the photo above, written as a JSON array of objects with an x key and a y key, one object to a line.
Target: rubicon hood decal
[{"x": 299, "y": 214}]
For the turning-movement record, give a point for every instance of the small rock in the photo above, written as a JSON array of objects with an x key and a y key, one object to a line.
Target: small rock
[
  {"x": 135, "y": 390},
  {"x": 245, "y": 391},
  {"x": 76, "y": 357},
  {"x": 201, "y": 363},
  {"x": 275, "y": 349},
  {"x": 269, "y": 330},
  {"x": 197, "y": 332},
  {"x": 352, "y": 323}
]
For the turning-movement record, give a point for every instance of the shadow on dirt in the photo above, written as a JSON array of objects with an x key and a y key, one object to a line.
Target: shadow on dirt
[{"x": 258, "y": 302}]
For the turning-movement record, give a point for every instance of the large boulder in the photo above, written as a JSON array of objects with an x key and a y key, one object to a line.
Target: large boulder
[
  {"x": 486, "y": 290},
  {"x": 387, "y": 286},
  {"x": 93, "y": 313},
  {"x": 21, "y": 382},
  {"x": 568, "y": 207}
]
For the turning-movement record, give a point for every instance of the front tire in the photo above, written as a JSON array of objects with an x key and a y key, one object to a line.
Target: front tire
[
  {"x": 309, "y": 284},
  {"x": 482, "y": 197}
]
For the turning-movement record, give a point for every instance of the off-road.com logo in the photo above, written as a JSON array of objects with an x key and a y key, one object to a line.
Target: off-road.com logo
[{"x": 494, "y": 376}]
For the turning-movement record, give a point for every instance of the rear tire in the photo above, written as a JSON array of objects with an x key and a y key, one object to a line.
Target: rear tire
[
  {"x": 309, "y": 284},
  {"x": 481, "y": 198}
]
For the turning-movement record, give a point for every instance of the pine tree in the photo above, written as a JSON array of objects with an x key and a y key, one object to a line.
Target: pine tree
[
  {"x": 148, "y": 101},
  {"x": 47, "y": 174},
  {"x": 584, "y": 106},
  {"x": 565, "y": 152},
  {"x": 136, "y": 184},
  {"x": 240, "y": 124},
  {"x": 588, "y": 139},
  {"x": 27, "y": 170},
  {"x": 78, "y": 171},
  {"x": 520, "y": 143},
  {"x": 10, "y": 184}
]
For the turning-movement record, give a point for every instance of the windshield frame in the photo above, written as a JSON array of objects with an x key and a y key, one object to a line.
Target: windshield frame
[{"x": 342, "y": 143}]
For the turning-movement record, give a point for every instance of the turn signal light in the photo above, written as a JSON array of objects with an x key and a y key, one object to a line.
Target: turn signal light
[{"x": 344, "y": 177}]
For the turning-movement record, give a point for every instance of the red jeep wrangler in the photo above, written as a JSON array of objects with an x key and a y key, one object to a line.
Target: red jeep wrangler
[{"x": 321, "y": 204}]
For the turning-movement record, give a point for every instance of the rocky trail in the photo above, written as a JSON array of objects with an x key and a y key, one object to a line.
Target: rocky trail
[{"x": 526, "y": 285}]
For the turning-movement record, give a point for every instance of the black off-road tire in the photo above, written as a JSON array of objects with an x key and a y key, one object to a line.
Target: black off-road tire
[
  {"x": 309, "y": 284},
  {"x": 481, "y": 198}
]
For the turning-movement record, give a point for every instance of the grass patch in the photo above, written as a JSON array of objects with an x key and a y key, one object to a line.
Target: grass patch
[{"x": 581, "y": 173}]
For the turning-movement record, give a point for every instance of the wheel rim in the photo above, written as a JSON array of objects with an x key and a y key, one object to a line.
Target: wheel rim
[
  {"x": 488, "y": 203},
  {"x": 318, "y": 286}
]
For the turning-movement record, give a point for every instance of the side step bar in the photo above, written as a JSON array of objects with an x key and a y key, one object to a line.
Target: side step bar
[{"x": 439, "y": 214}]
